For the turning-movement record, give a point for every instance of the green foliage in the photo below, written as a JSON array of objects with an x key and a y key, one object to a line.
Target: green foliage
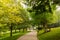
[
  {"x": 12, "y": 13},
  {"x": 42, "y": 11},
  {"x": 43, "y": 18},
  {"x": 41, "y": 6}
]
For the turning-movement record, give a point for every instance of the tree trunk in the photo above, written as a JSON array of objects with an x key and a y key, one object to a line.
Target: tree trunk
[
  {"x": 38, "y": 28},
  {"x": 11, "y": 31},
  {"x": 45, "y": 27}
]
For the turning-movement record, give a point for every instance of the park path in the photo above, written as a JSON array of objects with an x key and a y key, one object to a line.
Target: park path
[{"x": 29, "y": 36}]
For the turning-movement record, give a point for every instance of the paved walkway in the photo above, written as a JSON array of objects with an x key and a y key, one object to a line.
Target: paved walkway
[{"x": 29, "y": 36}]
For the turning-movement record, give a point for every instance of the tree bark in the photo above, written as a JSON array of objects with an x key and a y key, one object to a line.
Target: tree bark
[
  {"x": 10, "y": 30},
  {"x": 38, "y": 28},
  {"x": 45, "y": 27}
]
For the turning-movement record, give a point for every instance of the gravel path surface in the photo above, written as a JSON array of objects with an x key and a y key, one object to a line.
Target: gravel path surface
[{"x": 29, "y": 36}]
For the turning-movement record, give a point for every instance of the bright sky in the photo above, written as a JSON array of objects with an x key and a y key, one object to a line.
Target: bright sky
[
  {"x": 58, "y": 8},
  {"x": 24, "y": 6}
]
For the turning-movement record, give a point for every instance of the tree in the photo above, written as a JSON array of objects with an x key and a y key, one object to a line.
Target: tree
[
  {"x": 43, "y": 12},
  {"x": 12, "y": 13}
]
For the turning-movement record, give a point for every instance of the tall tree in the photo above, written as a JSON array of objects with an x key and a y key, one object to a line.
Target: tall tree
[
  {"x": 43, "y": 12},
  {"x": 12, "y": 13}
]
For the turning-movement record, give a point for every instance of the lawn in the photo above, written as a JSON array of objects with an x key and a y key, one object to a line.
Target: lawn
[
  {"x": 53, "y": 35},
  {"x": 14, "y": 37}
]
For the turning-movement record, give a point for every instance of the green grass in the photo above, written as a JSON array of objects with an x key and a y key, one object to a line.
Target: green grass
[
  {"x": 53, "y": 35},
  {"x": 14, "y": 37}
]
